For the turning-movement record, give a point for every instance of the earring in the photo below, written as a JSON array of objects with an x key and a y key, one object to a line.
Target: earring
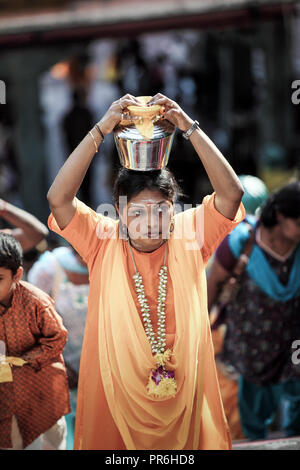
[
  {"x": 172, "y": 226},
  {"x": 123, "y": 231}
]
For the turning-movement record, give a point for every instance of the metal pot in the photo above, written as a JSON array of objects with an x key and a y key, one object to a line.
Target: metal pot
[{"x": 140, "y": 154}]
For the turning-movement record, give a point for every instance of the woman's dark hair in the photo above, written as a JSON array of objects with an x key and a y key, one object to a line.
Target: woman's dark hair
[
  {"x": 130, "y": 183},
  {"x": 286, "y": 201},
  {"x": 10, "y": 253}
]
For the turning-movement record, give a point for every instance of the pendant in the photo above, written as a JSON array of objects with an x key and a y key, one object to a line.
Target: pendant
[{"x": 162, "y": 383}]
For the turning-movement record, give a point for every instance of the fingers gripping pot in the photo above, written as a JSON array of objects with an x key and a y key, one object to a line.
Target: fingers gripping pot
[{"x": 145, "y": 143}]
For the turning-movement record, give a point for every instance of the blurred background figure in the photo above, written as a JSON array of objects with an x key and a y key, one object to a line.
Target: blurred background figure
[
  {"x": 76, "y": 124},
  {"x": 9, "y": 167},
  {"x": 34, "y": 391},
  {"x": 257, "y": 271},
  {"x": 26, "y": 228},
  {"x": 63, "y": 275},
  {"x": 255, "y": 194}
]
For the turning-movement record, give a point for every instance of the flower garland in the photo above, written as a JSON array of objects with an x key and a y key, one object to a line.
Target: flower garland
[{"x": 161, "y": 381}]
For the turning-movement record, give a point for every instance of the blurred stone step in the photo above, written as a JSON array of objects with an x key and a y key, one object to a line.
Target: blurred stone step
[{"x": 291, "y": 443}]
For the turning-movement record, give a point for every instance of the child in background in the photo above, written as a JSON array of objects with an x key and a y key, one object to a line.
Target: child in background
[
  {"x": 33, "y": 383},
  {"x": 64, "y": 276}
]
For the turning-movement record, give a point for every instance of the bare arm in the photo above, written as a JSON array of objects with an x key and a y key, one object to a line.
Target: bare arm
[
  {"x": 217, "y": 274},
  {"x": 29, "y": 230},
  {"x": 228, "y": 189},
  {"x": 216, "y": 277},
  {"x": 61, "y": 195}
]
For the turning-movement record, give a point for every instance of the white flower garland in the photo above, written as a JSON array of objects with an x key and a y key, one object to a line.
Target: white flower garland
[
  {"x": 158, "y": 343},
  {"x": 161, "y": 382}
]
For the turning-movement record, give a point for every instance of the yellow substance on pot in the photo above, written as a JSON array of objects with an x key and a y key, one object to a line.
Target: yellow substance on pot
[{"x": 148, "y": 115}]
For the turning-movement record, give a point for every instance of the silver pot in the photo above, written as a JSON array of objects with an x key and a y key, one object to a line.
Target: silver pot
[{"x": 138, "y": 153}]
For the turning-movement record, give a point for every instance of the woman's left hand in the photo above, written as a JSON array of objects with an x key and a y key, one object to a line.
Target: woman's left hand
[{"x": 172, "y": 112}]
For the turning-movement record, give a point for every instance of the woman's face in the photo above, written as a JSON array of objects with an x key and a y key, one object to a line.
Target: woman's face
[
  {"x": 290, "y": 228},
  {"x": 148, "y": 217}
]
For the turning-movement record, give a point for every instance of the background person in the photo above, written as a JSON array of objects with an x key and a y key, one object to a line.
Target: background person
[
  {"x": 255, "y": 194},
  {"x": 33, "y": 382},
  {"x": 263, "y": 320},
  {"x": 29, "y": 231},
  {"x": 63, "y": 275}
]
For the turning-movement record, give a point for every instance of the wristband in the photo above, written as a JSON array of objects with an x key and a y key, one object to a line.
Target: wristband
[{"x": 194, "y": 126}]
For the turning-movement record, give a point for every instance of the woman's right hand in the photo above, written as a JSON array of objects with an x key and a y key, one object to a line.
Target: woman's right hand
[
  {"x": 117, "y": 112},
  {"x": 172, "y": 111}
]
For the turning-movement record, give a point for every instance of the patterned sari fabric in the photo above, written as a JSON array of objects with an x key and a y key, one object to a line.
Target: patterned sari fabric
[
  {"x": 71, "y": 300},
  {"x": 260, "y": 328},
  {"x": 114, "y": 410},
  {"x": 38, "y": 395}
]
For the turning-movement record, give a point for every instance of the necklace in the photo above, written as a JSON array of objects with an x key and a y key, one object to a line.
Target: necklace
[
  {"x": 269, "y": 250},
  {"x": 161, "y": 381}
]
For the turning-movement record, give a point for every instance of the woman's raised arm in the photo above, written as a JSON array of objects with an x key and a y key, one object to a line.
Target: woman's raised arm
[
  {"x": 61, "y": 195},
  {"x": 229, "y": 191}
]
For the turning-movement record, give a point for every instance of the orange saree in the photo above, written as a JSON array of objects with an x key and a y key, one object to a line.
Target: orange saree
[{"x": 114, "y": 410}]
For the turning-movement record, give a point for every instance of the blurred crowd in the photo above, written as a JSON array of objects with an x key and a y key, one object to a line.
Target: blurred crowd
[{"x": 79, "y": 90}]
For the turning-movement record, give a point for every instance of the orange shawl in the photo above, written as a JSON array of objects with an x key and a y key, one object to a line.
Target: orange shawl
[
  {"x": 116, "y": 356},
  {"x": 125, "y": 358}
]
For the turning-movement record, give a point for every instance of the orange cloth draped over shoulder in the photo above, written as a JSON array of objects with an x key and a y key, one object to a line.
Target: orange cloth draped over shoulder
[{"x": 114, "y": 411}]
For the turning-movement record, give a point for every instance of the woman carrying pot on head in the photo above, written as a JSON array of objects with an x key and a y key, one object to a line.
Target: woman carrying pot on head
[{"x": 147, "y": 374}]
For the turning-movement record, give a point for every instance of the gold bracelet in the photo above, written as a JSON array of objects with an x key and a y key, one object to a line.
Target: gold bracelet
[{"x": 96, "y": 147}]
